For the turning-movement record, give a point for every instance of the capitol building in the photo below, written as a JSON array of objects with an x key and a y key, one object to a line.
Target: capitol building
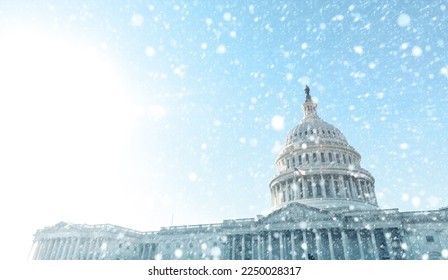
[{"x": 324, "y": 207}]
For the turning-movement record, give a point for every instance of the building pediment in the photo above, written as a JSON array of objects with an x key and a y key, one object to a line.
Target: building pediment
[{"x": 296, "y": 212}]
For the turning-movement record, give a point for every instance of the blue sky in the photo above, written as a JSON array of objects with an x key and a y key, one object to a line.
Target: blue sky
[{"x": 139, "y": 113}]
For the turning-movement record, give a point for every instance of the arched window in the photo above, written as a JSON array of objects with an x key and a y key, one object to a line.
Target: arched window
[
  {"x": 330, "y": 157},
  {"x": 293, "y": 162},
  {"x": 349, "y": 159},
  {"x": 345, "y": 160},
  {"x": 307, "y": 158},
  {"x": 322, "y": 157},
  {"x": 287, "y": 163},
  {"x": 337, "y": 158},
  {"x": 314, "y": 157},
  {"x": 300, "y": 159}
]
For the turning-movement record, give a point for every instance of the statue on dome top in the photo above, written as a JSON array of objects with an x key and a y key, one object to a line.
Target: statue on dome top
[{"x": 307, "y": 91}]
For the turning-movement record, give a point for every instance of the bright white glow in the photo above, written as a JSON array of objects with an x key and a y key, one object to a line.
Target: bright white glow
[
  {"x": 65, "y": 120},
  {"x": 278, "y": 122}
]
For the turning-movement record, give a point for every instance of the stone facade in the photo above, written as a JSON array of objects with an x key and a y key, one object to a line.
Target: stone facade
[{"x": 323, "y": 207}]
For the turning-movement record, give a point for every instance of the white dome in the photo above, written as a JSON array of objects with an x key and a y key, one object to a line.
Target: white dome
[
  {"x": 318, "y": 167},
  {"x": 311, "y": 130}
]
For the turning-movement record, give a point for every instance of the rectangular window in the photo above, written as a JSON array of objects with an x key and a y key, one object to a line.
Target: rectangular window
[
  {"x": 314, "y": 157},
  {"x": 330, "y": 157},
  {"x": 300, "y": 159},
  {"x": 307, "y": 158},
  {"x": 429, "y": 238},
  {"x": 337, "y": 158},
  {"x": 345, "y": 160},
  {"x": 322, "y": 157}
]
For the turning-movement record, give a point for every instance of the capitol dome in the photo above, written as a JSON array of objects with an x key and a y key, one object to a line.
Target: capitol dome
[{"x": 317, "y": 167}]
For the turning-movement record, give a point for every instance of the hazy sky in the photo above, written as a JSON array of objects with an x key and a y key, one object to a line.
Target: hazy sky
[{"x": 140, "y": 113}]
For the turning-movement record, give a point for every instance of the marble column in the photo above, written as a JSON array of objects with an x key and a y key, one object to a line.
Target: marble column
[
  {"x": 54, "y": 249},
  {"x": 270, "y": 246},
  {"x": 88, "y": 245},
  {"x": 144, "y": 251},
  {"x": 43, "y": 251},
  {"x": 60, "y": 247},
  {"x": 330, "y": 243},
  {"x": 305, "y": 249},
  {"x": 360, "y": 190},
  {"x": 318, "y": 245},
  {"x": 252, "y": 246},
  {"x": 66, "y": 248},
  {"x": 49, "y": 249},
  {"x": 72, "y": 248},
  {"x": 280, "y": 239},
  {"x": 353, "y": 187},
  {"x": 305, "y": 186},
  {"x": 313, "y": 187},
  {"x": 361, "y": 250},
  {"x": 348, "y": 188},
  {"x": 233, "y": 247},
  {"x": 96, "y": 250},
  {"x": 322, "y": 186},
  {"x": 243, "y": 247},
  {"x": 388, "y": 242},
  {"x": 372, "y": 193},
  {"x": 76, "y": 250},
  {"x": 374, "y": 245},
  {"x": 342, "y": 186},
  {"x": 332, "y": 186},
  {"x": 279, "y": 195},
  {"x": 37, "y": 248},
  {"x": 344, "y": 244},
  {"x": 293, "y": 246}
]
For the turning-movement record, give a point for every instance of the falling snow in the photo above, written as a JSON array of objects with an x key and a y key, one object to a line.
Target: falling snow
[{"x": 207, "y": 95}]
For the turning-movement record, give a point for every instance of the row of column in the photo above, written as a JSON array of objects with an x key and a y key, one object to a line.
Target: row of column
[
  {"x": 70, "y": 248},
  {"x": 333, "y": 186},
  {"x": 147, "y": 251},
  {"x": 315, "y": 159},
  {"x": 316, "y": 244}
]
